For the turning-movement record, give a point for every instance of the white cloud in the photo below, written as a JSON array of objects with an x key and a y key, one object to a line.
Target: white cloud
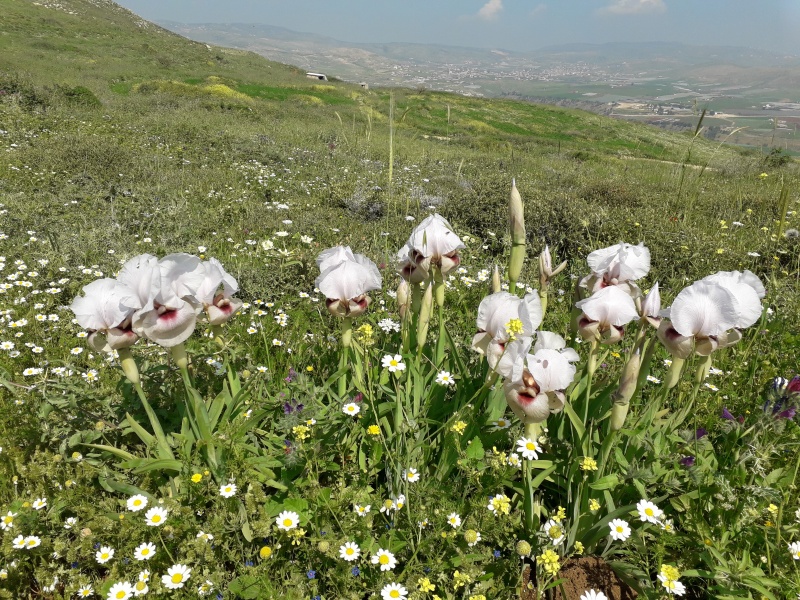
[
  {"x": 539, "y": 9},
  {"x": 490, "y": 10},
  {"x": 634, "y": 7}
]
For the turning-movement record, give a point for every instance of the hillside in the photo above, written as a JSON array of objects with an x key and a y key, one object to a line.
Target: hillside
[
  {"x": 111, "y": 51},
  {"x": 136, "y": 124}
]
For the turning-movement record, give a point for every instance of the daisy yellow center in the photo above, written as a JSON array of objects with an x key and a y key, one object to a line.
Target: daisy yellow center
[
  {"x": 394, "y": 594},
  {"x": 501, "y": 423},
  {"x": 410, "y": 475},
  {"x": 121, "y": 594},
  {"x": 8, "y": 520},
  {"x": 104, "y": 555},
  {"x": 227, "y": 490},
  {"x": 31, "y": 542},
  {"x": 620, "y": 529},
  {"x": 287, "y": 522},
  {"x": 177, "y": 578},
  {"x": 554, "y": 532},
  {"x": 393, "y": 363},
  {"x": 351, "y": 408},
  {"x": 648, "y": 511},
  {"x": 669, "y": 584},
  {"x": 145, "y": 551},
  {"x": 156, "y": 518},
  {"x": 384, "y": 560},
  {"x": 140, "y": 585},
  {"x": 349, "y": 551},
  {"x": 530, "y": 446},
  {"x": 137, "y": 502}
]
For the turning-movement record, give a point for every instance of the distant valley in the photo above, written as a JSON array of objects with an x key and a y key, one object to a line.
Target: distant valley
[{"x": 751, "y": 96}]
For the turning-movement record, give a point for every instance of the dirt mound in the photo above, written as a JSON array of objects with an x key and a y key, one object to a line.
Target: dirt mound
[{"x": 580, "y": 575}]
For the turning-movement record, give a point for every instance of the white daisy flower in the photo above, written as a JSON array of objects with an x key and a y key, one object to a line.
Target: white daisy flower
[
  {"x": 18, "y": 542},
  {"x": 593, "y": 595},
  {"x": 32, "y": 542},
  {"x": 156, "y": 516},
  {"x": 176, "y": 576},
  {"x": 385, "y": 559},
  {"x": 649, "y": 512},
  {"x": 500, "y": 424},
  {"x": 206, "y": 537},
  {"x": 554, "y": 531},
  {"x": 794, "y": 550},
  {"x": 39, "y": 503},
  {"x": 144, "y": 551},
  {"x": 393, "y": 363},
  {"x": 137, "y": 503},
  {"x": 105, "y": 554},
  {"x": 121, "y": 590},
  {"x": 620, "y": 530},
  {"x": 86, "y": 591},
  {"x": 349, "y": 551},
  {"x": 140, "y": 588},
  {"x": 7, "y": 521},
  {"x": 445, "y": 378},
  {"x": 673, "y": 587},
  {"x": 351, "y": 409},
  {"x": 411, "y": 475},
  {"x": 227, "y": 490},
  {"x": 393, "y": 591},
  {"x": 205, "y": 588},
  {"x": 287, "y": 520},
  {"x": 528, "y": 448},
  {"x": 362, "y": 511},
  {"x": 454, "y": 520}
]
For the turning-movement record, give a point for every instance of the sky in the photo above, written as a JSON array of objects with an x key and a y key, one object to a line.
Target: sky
[{"x": 519, "y": 25}]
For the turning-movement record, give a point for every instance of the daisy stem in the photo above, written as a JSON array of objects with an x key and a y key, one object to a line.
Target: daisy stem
[
  {"x": 165, "y": 547},
  {"x": 532, "y": 431}
]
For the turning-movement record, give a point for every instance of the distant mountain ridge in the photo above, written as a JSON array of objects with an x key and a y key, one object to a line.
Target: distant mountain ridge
[{"x": 497, "y": 72}]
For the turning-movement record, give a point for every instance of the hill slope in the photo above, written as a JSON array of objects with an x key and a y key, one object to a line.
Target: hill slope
[{"x": 111, "y": 51}]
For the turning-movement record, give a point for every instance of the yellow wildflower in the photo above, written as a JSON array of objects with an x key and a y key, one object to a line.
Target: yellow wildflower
[
  {"x": 425, "y": 585},
  {"x": 670, "y": 572},
  {"x": 589, "y": 464},
  {"x": 459, "y": 427},
  {"x": 549, "y": 561},
  {"x": 461, "y": 580},
  {"x": 265, "y": 552},
  {"x": 579, "y": 548},
  {"x": 364, "y": 334},
  {"x": 561, "y": 513},
  {"x": 772, "y": 509},
  {"x": 300, "y": 432},
  {"x": 297, "y": 534},
  {"x": 513, "y": 328},
  {"x": 197, "y": 478},
  {"x": 594, "y": 505},
  {"x": 374, "y": 430}
]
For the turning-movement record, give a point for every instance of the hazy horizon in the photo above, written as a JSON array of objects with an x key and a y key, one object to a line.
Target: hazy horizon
[{"x": 516, "y": 25}]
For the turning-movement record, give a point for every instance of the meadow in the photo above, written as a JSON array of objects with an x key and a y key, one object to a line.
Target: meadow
[{"x": 314, "y": 447}]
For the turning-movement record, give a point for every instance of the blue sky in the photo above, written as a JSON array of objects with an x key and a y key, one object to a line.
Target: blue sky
[{"x": 507, "y": 24}]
